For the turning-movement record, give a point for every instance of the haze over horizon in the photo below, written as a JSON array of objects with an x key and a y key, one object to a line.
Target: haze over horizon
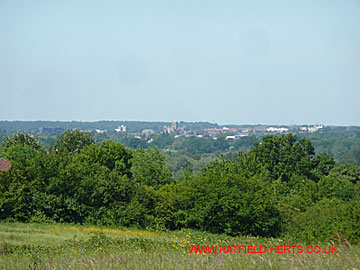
[
  {"x": 179, "y": 121},
  {"x": 243, "y": 62}
]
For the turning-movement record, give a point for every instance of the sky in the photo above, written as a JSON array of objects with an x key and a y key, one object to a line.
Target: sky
[{"x": 239, "y": 62}]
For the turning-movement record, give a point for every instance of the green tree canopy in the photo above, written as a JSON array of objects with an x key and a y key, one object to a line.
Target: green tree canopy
[
  {"x": 73, "y": 141},
  {"x": 150, "y": 168},
  {"x": 22, "y": 139},
  {"x": 285, "y": 155}
]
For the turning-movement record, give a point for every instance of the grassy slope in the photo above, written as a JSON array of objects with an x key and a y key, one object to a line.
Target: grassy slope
[{"x": 37, "y": 246}]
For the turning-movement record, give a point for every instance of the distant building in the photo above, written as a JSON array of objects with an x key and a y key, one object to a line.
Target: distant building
[
  {"x": 174, "y": 125},
  {"x": 173, "y": 128},
  {"x": 241, "y": 134},
  {"x": 181, "y": 129},
  {"x": 259, "y": 129},
  {"x": 232, "y": 130},
  {"x": 314, "y": 128},
  {"x": 121, "y": 129},
  {"x": 238, "y": 136},
  {"x": 311, "y": 129},
  {"x": 147, "y": 132},
  {"x": 246, "y": 130},
  {"x": 4, "y": 165},
  {"x": 277, "y": 130},
  {"x": 100, "y": 131},
  {"x": 168, "y": 130},
  {"x": 213, "y": 131}
]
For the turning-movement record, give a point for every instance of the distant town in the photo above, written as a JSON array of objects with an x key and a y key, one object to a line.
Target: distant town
[
  {"x": 147, "y": 130},
  {"x": 193, "y": 143},
  {"x": 230, "y": 132}
]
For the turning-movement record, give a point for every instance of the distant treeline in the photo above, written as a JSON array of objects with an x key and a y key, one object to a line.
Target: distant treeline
[
  {"x": 190, "y": 151},
  {"x": 132, "y": 126},
  {"x": 278, "y": 188}
]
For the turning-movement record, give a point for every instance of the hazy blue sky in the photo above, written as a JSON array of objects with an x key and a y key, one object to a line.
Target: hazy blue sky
[{"x": 270, "y": 62}]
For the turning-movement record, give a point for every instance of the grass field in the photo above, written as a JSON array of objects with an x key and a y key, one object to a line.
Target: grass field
[{"x": 38, "y": 246}]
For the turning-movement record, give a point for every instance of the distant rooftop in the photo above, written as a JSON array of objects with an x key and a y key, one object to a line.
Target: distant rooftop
[{"x": 4, "y": 165}]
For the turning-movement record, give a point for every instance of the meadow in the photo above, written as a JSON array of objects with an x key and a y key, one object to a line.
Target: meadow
[{"x": 53, "y": 246}]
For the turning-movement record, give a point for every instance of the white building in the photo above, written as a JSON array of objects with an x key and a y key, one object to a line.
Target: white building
[
  {"x": 120, "y": 129},
  {"x": 311, "y": 129},
  {"x": 275, "y": 129}
]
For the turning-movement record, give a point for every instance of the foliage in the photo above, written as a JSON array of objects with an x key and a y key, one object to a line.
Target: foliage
[
  {"x": 279, "y": 187},
  {"x": 223, "y": 200},
  {"x": 325, "y": 219},
  {"x": 284, "y": 156},
  {"x": 72, "y": 141},
  {"x": 22, "y": 139},
  {"x": 149, "y": 167}
]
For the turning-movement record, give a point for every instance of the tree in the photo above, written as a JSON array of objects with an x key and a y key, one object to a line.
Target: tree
[
  {"x": 351, "y": 156},
  {"x": 112, "y": 155},
  {"x": 149, "y": 167},
  {"x": 20, "y": 149},
  {"x": 22, "y": 139},
  {"x": 283, "y": 156},
  {"x": 223, "y": 200},
  {"x": 72, "y": 141},
  {"x": 351, "y": 172}
]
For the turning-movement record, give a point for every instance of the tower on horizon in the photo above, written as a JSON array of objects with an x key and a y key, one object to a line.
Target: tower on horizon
[{"x": 174, "y": 125}]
